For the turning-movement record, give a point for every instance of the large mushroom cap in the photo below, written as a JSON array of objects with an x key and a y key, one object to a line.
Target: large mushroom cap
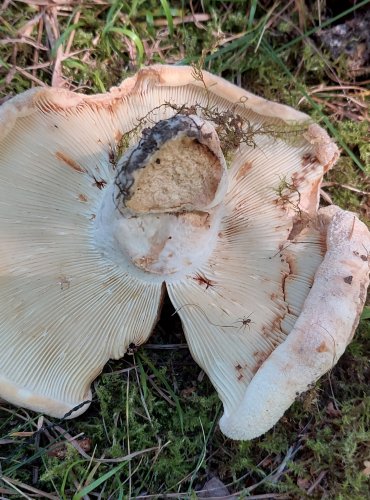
[{"x": 180, "y": 183}]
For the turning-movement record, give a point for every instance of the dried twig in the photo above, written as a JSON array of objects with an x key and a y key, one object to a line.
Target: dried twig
[
  {"x": 317, "y": 482},
  {"x": 18, "y": 484},
  {"x": 345, "y": 186}
]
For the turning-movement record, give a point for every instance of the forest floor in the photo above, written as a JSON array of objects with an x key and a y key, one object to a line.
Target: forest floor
[{"x": 311, "y": 55}]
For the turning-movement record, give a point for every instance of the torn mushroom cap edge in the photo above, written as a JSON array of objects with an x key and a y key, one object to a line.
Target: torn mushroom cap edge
[{"x": 324, "y": 328}]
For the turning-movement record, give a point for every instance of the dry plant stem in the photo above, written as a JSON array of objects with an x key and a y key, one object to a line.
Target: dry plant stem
[
  {"x": 72, "y": 35},
  {"x": 36, "y": 52},
  {"x": 345, "y": 186},
  {"x": 197, "y": 19}
]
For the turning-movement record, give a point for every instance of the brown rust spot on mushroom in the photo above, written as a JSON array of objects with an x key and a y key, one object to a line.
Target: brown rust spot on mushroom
[
  {"x": 299, "y": 224},
  {"x": 70, "y": 162},
  {"x": 297, "y": 179},
  {"x": 315, "y": 186},
  {"x": 110, "y": 108},
  {"x": 322, "y": 347},
  {"x": 148, "y": 76},
  {"x": 273, "y": 326},
  {"x": 348, "y": 280},
  {"x": 202, "y": 280},
  {"x": 260, "y": 359},
  {"x": 112, "y": 157},
  {"x": 239, "y": 371},
  {"x": 363, "y": 257},
  {"x": 243, "y": 170},
  {"x": 153, "y": 255},
  {"x": 307, "y": 159},
  {"x": 144, "y": 262},
  {"x": 82, "y": 198},
  {"x": 118, "y": 135},
  {"x": 100, "y": 183},
  {"x": 241, "y": 206}
]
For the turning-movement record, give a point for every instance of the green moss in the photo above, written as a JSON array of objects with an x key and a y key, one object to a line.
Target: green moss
[{"x": 356, "y": 135}]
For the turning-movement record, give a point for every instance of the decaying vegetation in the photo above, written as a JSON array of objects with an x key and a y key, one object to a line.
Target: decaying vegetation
[{"x": 152, "y": 430}]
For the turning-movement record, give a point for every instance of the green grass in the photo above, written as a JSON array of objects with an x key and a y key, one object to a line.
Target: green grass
[{"x": 152, "y": 428}]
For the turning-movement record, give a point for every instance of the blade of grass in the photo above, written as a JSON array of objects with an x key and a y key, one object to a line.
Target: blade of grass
[
  {"x": 133, "y": 8},
  {"x": 168, "y": 14},
  {"x": 150, "y": 23},
  {"x": 365, "y": 313},
  {"x": 128, "y": 433},
  {"x": 98, "y": 82},
  {"x": 112, "y": 15},
  {"x": 252, "y": 13},
  {"x": 202, "y": 456},
  {"x": 64, "y": 37},
  {"x": 91, "y": 487},
  {"x": 21, "y": 493},
  {"x": 65, "y": 477},
  {"x": 276, "y": 59},
  {"x": 143, "y": 378},
  {"x": 160, "y": 377},
  {"x": 134, "y": 37},
  {"x": 253, "y": 34}
]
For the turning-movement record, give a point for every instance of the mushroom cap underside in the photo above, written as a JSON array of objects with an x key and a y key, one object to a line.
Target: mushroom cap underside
[{"x": 67, "y": 304}]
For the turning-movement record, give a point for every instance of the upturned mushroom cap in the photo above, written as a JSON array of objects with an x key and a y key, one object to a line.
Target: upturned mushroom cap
[{"x": 179, "y": 183}]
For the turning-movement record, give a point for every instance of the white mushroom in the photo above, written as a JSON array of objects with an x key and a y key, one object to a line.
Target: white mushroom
[{"x": 107, "y": 201}]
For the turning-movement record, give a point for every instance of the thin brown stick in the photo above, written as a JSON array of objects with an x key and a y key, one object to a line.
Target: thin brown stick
[
  {"x": 317, "y": 482},
  {"x": 37, "y": 52},
  {"x": 345, "y": 186},
  {"x": 72, "y": 35},
  {"x": 19, "y": 484}
]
